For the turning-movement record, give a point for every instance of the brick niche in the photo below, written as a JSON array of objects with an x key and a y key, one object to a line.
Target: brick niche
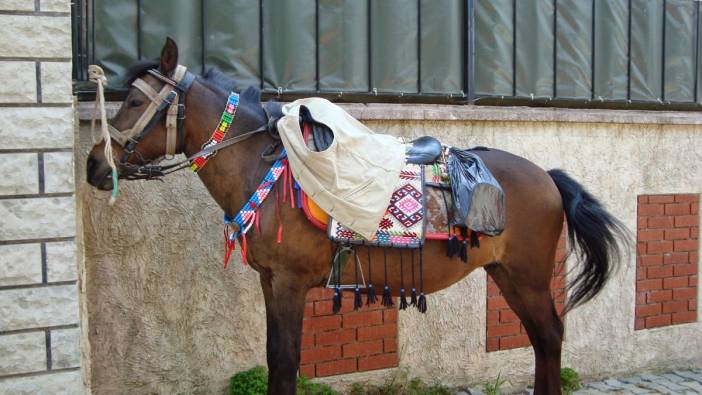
[
  {"x": 505, "y": 330},
  {"x": 667, "y": 245},
  {"x": 351, "y": 341}
]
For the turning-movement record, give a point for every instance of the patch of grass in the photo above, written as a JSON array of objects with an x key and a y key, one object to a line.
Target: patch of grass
[
  {"x": 255, "y": 382},
  {"x": 570, "y": 381},
  {"x": 494, "y": 388},
  {"x": 399, "y": 384}
]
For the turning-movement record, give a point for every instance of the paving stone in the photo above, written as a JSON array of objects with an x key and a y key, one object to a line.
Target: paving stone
[
  {"x": 22, "y": 353},
  {"x": 63, "y": 383},
  {"x": 694, "y": 385},
  {"x": 626, "y": 387},
  {"x": 671, "y": 385},
  {"x": 658, "y": 388},
  {"x": 38, "y": 307},
  {"x": 20, "y": 264},
  {"x": 475, "y": 391},
  {"x": 600, "y": 386},
  {"x": 689, "y": 374},
  {"x": 672, "y": 377},
  {"x": 590, "y": 391},
  {"x": 632, "y": 380}
]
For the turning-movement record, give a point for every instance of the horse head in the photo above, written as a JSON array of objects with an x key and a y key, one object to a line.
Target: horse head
[{"x": 152, "y": 122}]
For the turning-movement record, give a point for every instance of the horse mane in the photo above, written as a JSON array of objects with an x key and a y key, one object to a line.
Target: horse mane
[{"x": 213, "y": 77}]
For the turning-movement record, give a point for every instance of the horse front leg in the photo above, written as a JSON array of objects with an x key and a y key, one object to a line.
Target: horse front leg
[{"x": 285, "y": 307}]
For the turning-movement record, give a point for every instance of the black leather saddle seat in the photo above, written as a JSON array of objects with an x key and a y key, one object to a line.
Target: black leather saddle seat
[{"x": 423, "y": 151}]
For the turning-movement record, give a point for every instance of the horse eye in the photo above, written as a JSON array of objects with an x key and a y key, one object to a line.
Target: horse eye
[{"x": 135, "y": 103}]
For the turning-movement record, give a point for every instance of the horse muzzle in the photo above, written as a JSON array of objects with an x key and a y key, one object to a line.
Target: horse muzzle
[{"x": 99, "y": 174}]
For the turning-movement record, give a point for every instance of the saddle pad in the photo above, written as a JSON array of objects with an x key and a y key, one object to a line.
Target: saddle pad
[{"x": 404, "y": 220}]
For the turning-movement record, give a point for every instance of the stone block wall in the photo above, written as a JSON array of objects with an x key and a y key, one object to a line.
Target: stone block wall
[{"x": 39, "y": 333}]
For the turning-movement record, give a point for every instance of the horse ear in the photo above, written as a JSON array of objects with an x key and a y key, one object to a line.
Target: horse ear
[{"x": 169, "y": 57}]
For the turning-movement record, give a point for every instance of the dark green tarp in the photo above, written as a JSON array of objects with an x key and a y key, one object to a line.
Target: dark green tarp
[
  {"x": 442, "y": 45},
  {"x": 680, "y": 44},
  {"x": 394, "y": 66},
  {"x": 116, "y": 37},
  {"x": 574, "y": 49},
  {"x": 646, "y": 49},
  {"x": 494, "y": 40},
  {"x": 611, "y": 49},
  {"x": 289, "y": 47},
  {"x": 343, "y": 45},
  {"x": 534, "y": 57},
  {"x": 178, "y": 19},
  {"x": 232, "y": 39}
]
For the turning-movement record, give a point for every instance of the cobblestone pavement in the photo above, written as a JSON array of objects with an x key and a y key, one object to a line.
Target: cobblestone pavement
[
  {"x": 681, "y": 382},
  {"x": 678, "y": 382}
]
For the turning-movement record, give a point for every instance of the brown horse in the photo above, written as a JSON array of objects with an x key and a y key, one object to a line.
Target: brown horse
[{"x": 520, "y": 260}]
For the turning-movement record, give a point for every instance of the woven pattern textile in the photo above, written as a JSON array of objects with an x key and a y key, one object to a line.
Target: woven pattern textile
[{"x": 403, "y": 223}]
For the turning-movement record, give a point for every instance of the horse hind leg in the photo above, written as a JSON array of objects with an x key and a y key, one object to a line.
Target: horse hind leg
[{"x": 534, "y": 305}]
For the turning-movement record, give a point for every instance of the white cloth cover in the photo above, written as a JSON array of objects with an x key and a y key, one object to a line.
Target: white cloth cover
[{"x": 354, "y": 178}]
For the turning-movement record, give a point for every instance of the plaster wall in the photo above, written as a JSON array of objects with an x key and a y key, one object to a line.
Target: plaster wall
[{"x": 165, "y": 317}]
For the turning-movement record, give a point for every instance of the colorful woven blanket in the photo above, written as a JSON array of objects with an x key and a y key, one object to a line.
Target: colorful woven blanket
[{"x": 403, "y": 224}]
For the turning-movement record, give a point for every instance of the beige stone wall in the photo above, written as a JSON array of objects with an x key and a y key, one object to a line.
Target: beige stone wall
[
  {"x": 164, "y": 315},
  {"x": 39, "y": 334}
]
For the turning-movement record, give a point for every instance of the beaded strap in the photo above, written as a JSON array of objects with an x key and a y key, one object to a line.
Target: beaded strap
[
  {"x": 219, "y": 133},
  {"x": 247, "y": 216}
]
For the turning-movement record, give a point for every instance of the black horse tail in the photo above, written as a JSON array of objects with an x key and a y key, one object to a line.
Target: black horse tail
[{"x": 594, "y": 234}]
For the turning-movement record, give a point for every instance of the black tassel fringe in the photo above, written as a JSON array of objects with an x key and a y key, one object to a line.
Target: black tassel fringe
[
  {"x": 452, "y": 246},
  {"x": 422, "y": 303},
  {"x": 372, "y": 299},
  {"x": 403, "y": 299},
  {"x": 387, "y": 299},
  {"x": 336, "y": 301},
  {"x": 474, "y": 240},
  {"x": 357, "y": 302},
  {"x": 464, "y": 251},
  {"x": 413, "y": 297}
]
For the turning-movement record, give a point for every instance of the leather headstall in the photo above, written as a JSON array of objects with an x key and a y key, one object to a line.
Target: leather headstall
[{"x": 169, "y": 101}]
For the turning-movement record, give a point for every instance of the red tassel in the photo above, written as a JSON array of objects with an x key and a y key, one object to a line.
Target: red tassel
[
  {"x": 285, "y": 182},
  {"x": 290, "y": 185},
  {"x": 229, "y": 246},
  {"x": 257, "y": 221},
  {"x": 279, "y": 237},
  {"x": 244, "y": 249}
]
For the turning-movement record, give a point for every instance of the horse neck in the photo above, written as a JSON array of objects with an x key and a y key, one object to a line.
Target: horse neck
[{"x": 230, "y": 175}]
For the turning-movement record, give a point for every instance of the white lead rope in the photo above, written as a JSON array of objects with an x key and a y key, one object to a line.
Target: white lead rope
[{"x": 97, "y": 75}]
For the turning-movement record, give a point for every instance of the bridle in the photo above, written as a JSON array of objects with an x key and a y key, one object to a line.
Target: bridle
[{"x": 169, "y": 101}]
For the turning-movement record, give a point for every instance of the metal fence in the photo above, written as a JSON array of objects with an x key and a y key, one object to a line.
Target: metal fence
[{"x": 575, "y": 53}]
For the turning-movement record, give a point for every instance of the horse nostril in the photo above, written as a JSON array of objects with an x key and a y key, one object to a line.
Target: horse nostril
[{"x": 92, "y": 163}]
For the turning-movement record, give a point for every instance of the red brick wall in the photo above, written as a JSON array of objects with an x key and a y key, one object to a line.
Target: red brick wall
[
  {"x": 667, "y": 247},
  {"x": 504, "y": 330},
  {"x": 351, "y": 341}
]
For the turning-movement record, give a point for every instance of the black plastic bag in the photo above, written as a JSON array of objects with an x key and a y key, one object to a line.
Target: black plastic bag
[{"x": 478, "y": 199}]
